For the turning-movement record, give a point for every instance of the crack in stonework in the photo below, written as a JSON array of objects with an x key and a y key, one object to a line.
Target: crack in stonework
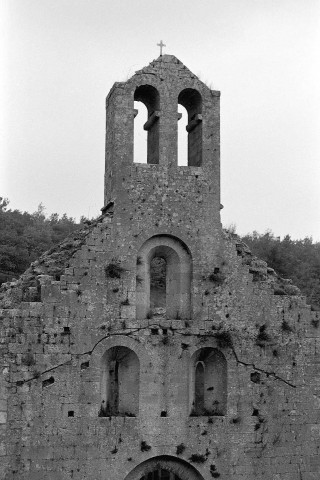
[
  {"x": 266, "y": 372},
  {"x": 89, "y": 352},
  {"x": 130, "y": 334}
]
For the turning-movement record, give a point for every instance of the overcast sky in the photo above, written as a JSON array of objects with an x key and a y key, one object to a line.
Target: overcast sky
[{"x": 61, "y": 58}]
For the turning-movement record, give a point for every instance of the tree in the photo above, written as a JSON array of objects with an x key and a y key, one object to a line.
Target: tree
[
  {"x": 295, "y": 259},
  {"x": 24, "y": 237}
]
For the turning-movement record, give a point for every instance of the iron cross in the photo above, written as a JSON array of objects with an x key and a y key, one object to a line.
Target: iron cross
[{"x": 161, "y": 44}]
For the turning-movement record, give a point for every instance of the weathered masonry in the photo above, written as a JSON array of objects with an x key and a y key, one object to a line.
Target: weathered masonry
[{"x": 152, "y": 345}]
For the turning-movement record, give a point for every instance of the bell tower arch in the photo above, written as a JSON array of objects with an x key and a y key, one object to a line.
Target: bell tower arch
[{"x": 158, "y": 196}]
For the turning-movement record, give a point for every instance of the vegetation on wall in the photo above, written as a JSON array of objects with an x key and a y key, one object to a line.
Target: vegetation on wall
[{"x": 25, "y": 236}]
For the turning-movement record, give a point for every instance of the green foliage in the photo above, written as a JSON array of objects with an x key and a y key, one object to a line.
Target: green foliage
[
  {"x": 113, "y": 270},
  {"x": 180, "y": 449},
  {"x": 217, "y": 277},
  {"x": 28, "y": 359},
  {"x": 224, "y": 339},
  {"x": 158, "y": 270},
  {"x": 144, "y": 447},
  {"x": 214, "y": 472},
  {"x": 102, "y": 411},
  {"x": 24, "y": 237},
  {"x": 197, "y": 458},
  {"x": 286, "y": 327},
  {"x": 235, "y": 420},
  {"x": 295, "y": 259},
  {"x": 262, "y": 337}
]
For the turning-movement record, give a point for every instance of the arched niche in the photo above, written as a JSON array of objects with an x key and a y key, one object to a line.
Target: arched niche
[
  {"x": 120, "y": 376},
  {"x": 208, "y": 382},
  {"x": 191, "y": 100},
  {"x": 178, "y": 275},
  {"x": 149, "y": 96},
  {"x": 164, "y": 467}
]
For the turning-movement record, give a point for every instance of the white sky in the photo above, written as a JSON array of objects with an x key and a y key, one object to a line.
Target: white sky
[{"x": 61, "y": 57}]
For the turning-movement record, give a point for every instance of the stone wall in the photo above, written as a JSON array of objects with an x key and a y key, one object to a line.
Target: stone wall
[
  {"x": 53, "y": 353},
  {"x": 92, "y": 389}
]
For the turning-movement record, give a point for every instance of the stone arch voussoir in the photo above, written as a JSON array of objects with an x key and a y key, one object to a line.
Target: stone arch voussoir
[{"x": 181, "y": 468}]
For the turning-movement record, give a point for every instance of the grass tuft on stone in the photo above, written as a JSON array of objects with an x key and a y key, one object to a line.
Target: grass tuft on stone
[{"x": 113, "y": 270}]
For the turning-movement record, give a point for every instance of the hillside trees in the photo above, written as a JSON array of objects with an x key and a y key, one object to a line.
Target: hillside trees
[
  {"x": 295, "y": 259},
  {"x": 24, "y": 237}
]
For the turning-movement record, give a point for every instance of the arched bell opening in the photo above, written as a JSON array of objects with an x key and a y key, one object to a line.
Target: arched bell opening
[
  {"x": 149, "y": 96},
  {"x": 191, "y": 100}
]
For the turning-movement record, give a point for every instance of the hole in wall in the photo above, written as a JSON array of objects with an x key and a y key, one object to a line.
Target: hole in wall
[
  {"x": 255, "y": 377},
  {"x": 46, "y": 383}
]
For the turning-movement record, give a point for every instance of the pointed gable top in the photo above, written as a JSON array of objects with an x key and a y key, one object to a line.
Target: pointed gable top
[{"x": 165, "y": 62}]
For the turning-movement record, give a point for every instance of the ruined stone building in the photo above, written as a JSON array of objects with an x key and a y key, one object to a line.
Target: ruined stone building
[{"x": 152, "y": 345}]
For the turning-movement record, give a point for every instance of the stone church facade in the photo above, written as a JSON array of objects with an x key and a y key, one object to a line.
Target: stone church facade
[{"x": 152, "y": 345}]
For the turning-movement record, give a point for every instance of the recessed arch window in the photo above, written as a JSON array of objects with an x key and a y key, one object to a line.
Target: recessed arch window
[
  {"x": 191, "y": 100},
  {"x": 120, "y": 382},
  {"x": 172, "y": 273},
  {"x": 208, "y": 382},
  {"x": 149, "y": 96}
]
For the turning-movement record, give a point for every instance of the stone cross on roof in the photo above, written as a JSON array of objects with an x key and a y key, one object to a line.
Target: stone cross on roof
[{"x": 161, "y": 44}]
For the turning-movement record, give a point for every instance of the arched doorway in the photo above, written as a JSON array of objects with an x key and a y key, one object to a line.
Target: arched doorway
[{"x": 164, "y": 467}]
